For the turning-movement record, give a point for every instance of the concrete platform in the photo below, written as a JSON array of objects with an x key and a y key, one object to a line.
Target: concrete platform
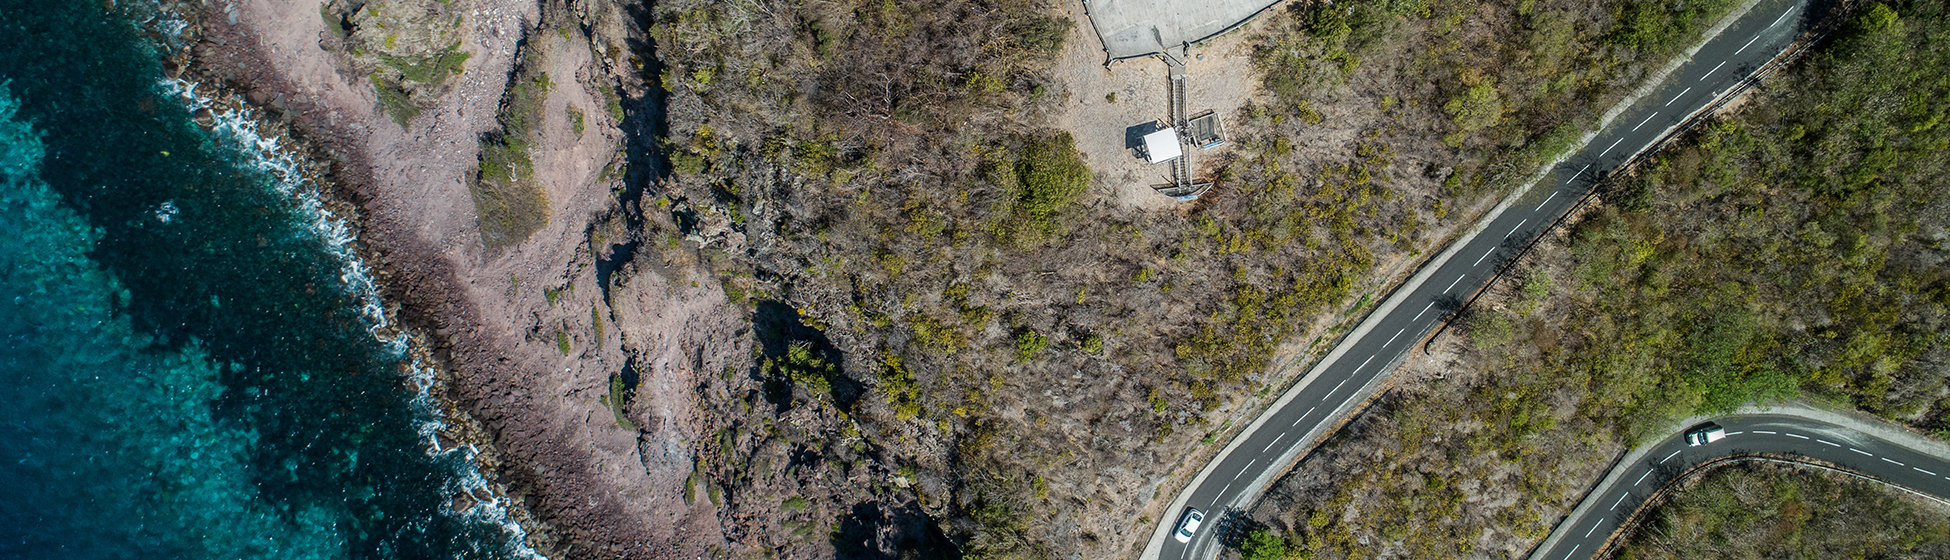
[{"x": 1134, "y": 28}]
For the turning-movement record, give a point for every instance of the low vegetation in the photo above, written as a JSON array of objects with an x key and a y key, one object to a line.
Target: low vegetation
[
  {"x": 1770, "y": 511},
  {"x": 509, "y": 206},
  {"x": 408, "y": 49},
  {"x": 886, "y": 168},
  {"x": 1791, "y": 248}
]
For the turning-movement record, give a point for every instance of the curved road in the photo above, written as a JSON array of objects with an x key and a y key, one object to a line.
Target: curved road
[
  {"x": 1335, "y": 386},
  {"x": 1585, "y": 532}
]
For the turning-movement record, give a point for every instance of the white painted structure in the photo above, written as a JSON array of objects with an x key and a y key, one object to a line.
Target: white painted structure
[{"x": 1162, "y": 146}]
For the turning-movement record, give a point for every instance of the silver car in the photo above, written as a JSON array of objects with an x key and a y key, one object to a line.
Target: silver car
[
  {"x": 1189, "y": 525},
  {"x": 1704, "y": 434}
]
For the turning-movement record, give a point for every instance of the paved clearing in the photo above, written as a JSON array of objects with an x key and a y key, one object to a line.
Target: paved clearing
[
  {"x": 1221, "y": 77},
  {"x": 1133, "y": 28}
]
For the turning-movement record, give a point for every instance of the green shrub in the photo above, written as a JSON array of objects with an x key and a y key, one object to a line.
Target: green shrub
[
  {"x": 1044, "y": 181},
  {"x": 803, "y": 366},
  {"x": 903, "y": 393},
  {"x": 619, "y": 402},
  {"x": 795, "y": 504},
  {"x": 508, "y": 206},
  {"x": 1029, "y": 343},
  {"x": 1261, "y": 544},
  {"x": 432, "y": 69},
  {"x": 596, "y": 321},
  {"x": 690, "y": 488},
  {"x": 1479, "y": 107},
  {"x": 395, "y": 101}
]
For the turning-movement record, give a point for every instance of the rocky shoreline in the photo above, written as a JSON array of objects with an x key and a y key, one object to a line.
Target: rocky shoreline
[{"x": 481, "y": 316}]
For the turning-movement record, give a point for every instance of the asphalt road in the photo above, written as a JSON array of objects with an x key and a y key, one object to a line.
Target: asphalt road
[
  {"x": 1585, "y": 532},
  {"x": 1234, "y": 483}
]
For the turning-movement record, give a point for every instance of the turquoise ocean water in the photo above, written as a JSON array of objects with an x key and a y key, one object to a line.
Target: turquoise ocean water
[{"x": 194, "y": 362}]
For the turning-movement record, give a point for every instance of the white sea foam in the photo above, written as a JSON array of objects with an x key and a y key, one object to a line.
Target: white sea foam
[{"x": 339, "y": 237}]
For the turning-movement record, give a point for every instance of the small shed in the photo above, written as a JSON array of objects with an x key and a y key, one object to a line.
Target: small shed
[
  {"x": 1207, "y": 131},
  {"x": 1162, "y": 146}
]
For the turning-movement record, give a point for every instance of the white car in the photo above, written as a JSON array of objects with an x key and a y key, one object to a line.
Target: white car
[
  {"x": 1189, "y": 525},
  {"x": 1704, "y": 434}
]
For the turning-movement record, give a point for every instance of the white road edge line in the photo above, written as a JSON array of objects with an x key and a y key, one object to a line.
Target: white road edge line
[
  {"x": 1702, "y": 77},
  {"x": 1862, "y": 452},
  {"x": 1547, "y": 200},
  {"x": 1923, "y": 471},
  {"x": 1648, "y": 118},
  {"x": 1828, "y": 443},
  {"x": 1676, "y": 97},
  {"x": 1675, "y": 452},
  {"x": 1452, "y": 285},
  {"x": 1424, "y": 310},
  {"x": 1750, "y": 42},
  {"x": 1479, "y": 260},
  {"x": 1642, "y": 478},
  {"x": 1391, "y": 340},
  {"x": 1608, "y": 150},
  {"x": 1796, "y": 436}
]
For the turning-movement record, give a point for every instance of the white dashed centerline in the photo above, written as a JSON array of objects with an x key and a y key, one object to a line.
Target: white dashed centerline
[
  {"x": 1621, "y": 499},
  {"x": 1923, "y": 471},
  {"x": 1452, "y": 285},
  {"x": 1750, "y": 42},
  {"x": 1594, "y": 529},
  {"x": 1642, "y": 478},
  {"x": 1574, "y": 551},
  {"x": 1765, "y": 432},
  {"x": 1796, "y": 436},
  {"x": 1547, "y": 200},
  {"x": 1828, "y": 443},
  {"x": 1862, "y": 452},
  {"x": 1608, "y": 150},
  {"x": 1574, "y": 176},
  {"x": 1702, "y": 77},
  {"x": 1303, "y": 417},
  {"x": 1513, "y": 231},
  {"x": 1479, "y": 260},
  {"x": 1676, "y": 97},
  {"x": 1391, "y": 340},
  {"x": 1648, "y": 118},
  {"x": 1777, "y": 21},
  {"x": 1276, "y": 441},
  {"x": 1675, "y": 452},
  {"x": 1425, "y": 309},
  {"x": 1892, "y": 461}
]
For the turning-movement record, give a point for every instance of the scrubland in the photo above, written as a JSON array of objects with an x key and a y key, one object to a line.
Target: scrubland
[
  {"x": 1791, "y": 248},
  {"x": 963, "y": 322}
]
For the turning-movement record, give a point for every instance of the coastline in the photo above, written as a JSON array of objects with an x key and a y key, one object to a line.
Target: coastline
[
  {"x": 333, "y": 161},
  {"x": 561, "y": 475}
]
